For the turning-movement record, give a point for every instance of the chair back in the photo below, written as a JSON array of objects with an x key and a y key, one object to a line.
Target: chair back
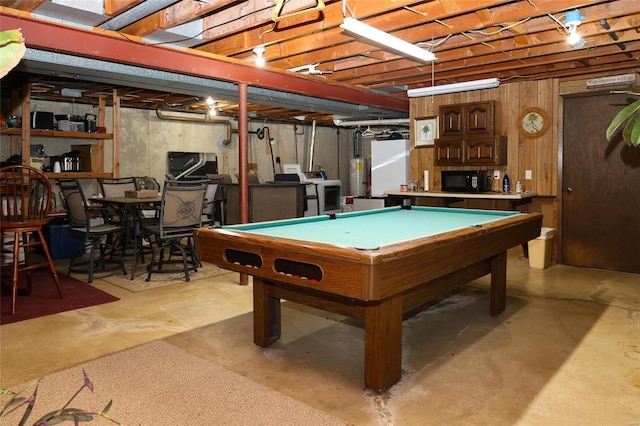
[
  {"x": 210, "y": 198},
  {"x": 182, "y": 206},
  {"x": 26, "y": 196},
  {"x": 116, "y": 187},
  {"x": 75, "y": 203},
  {"x": 147, "y": 182}
]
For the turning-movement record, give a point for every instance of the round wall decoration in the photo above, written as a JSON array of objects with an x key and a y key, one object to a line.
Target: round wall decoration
[{"x": 533, "y": 122}]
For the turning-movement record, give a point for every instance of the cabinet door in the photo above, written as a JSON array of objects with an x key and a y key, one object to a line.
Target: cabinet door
[
  {"x": 451, "y": 122},
  {"x": 448, "y": 152},
  {"x": 485, "y": 150},
  {"x": 478, "y": 118}
]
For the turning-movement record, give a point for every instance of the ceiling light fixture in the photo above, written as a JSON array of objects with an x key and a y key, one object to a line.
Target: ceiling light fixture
[
  {"x": 571, "y": 22},
  {"x": 487, "y": 83},
  {"x": 213, "y": 108},
  {"x": 259, "y": 59},
  {"x": 388, "y": 40}
]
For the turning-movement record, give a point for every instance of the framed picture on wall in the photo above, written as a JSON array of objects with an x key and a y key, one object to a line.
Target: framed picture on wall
[{"x": 425, "y": 131}]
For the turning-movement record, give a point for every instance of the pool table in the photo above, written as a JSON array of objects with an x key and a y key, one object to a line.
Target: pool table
[{"x": 377, "y": 266}]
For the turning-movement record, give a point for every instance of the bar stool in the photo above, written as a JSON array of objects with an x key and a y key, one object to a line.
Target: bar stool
[{"x": 26, "y": 198}]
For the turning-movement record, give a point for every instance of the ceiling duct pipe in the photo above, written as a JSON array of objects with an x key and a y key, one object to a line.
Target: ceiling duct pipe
[
  {"x": 381, "y": 122},
  {"x": 200, "y": 118},
  {"x": 312, "y": 147}
]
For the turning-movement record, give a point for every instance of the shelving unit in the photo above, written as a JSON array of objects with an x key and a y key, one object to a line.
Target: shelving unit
[{"x": 26, "y": 133}]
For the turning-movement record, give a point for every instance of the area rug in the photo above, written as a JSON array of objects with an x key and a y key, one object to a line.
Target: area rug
[
  {"x": 139, "y": 283},
  {"x": 44, "y": 299},
  {"x": 160, "y": 384}
]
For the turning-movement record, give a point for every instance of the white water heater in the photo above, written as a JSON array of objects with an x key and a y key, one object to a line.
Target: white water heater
[{"x": 358, "y": 177}]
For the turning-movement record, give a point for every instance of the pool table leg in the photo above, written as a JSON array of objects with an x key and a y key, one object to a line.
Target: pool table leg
[
  {"x": 498, "y": 283},
  {"x": 383, "y": 343},
  {"x": 266, "y": 314}
]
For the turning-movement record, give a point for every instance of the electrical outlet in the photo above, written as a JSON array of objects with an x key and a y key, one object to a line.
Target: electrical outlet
[
  {"x": 496, "y": 174},
  {"x": 528, "y": 174}
]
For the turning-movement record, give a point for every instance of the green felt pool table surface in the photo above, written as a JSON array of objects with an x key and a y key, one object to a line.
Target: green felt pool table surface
[{"x": 375, "y": 228}]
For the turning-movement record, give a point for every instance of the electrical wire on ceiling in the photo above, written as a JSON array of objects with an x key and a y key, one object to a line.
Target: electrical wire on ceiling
[{"x": 491, "y": 33}]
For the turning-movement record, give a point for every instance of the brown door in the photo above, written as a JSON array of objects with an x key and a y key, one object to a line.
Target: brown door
[{"x": 601, "y": 188}]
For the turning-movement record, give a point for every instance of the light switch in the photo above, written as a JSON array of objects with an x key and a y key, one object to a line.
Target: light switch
[{"x": 528, "y": 174}]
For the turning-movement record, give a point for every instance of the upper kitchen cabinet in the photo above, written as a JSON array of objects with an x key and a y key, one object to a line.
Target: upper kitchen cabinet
[
  {"x": 476, "y": 118},
  {"x": 22, "y": 138},
  {"x": 467, "y": 136}
]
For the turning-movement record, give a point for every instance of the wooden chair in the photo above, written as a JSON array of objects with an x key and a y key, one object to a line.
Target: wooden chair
[{"x": 25, "y": 193}]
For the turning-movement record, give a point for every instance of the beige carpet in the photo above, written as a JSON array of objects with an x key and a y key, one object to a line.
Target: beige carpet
[
  {"x": 161, "y": 384},
  {"x": 139, "y": 283}
]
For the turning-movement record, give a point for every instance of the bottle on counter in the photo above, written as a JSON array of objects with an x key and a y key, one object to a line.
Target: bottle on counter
[
  {"x": 506, "y": 183},
  {"x": 519, "y": 187}
]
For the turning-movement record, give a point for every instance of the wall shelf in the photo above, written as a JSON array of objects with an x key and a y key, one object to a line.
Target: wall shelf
[
  {"x": 58, "y": 134},
  {"x": 21, "y": 138}
]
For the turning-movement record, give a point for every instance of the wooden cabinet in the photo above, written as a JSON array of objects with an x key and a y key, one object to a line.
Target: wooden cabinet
[
  {"x": 476, "y": 118},
  {"x": 27, "y": 134},
  {"x": 486, "y": 150},
  {"x": 490, "y": 150},
  {"x": 467, "y": 136},
  {"x": 449, "y": 151}
]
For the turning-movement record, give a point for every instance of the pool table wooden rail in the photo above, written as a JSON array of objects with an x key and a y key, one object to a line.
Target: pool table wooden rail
[{"x": 369, "y": 274}]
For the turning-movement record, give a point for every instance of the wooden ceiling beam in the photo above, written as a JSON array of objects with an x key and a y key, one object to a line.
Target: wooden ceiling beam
[
  {"x": 329, "y": 41},
  {"x": 109, "y": 46},
  {"x": 518, "y": 63},
  {"x": 551, "y": 37},
  {"x": 292, "y": 28},
  {"x": 114, "y": 7},
  {"x": 177, "y": 14}
]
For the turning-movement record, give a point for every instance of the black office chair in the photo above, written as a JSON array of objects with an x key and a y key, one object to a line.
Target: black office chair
[
  {"x": 101, "y": 237},
  {"x": 181, "y": 211}
]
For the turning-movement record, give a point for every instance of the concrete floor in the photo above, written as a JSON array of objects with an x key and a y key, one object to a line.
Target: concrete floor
[{"x": 565, "y": 351}]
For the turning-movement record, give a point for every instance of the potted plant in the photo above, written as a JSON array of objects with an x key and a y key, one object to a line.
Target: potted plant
[
  {"x": 64, "y": 414},
  {"x": 629, "y": 115}
]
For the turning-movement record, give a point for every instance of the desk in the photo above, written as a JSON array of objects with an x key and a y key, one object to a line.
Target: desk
[
  {"x": 130, "y": 205},
  {"x": 375, "y": 265}
]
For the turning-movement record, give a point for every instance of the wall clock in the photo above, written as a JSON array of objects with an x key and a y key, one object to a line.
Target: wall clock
[{"x": 533, "y": 122}]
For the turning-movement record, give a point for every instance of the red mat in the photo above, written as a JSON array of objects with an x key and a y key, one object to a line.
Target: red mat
[{"x": 45, "y": 300}]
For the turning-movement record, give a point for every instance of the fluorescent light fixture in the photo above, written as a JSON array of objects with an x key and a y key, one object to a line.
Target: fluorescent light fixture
[
  {"x": 487, "y": 83},
  {"x": 392, "y": 42},
  {"x": 380, "y": 122}
]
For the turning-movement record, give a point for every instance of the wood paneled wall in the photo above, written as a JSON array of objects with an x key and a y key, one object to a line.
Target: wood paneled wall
[{"x": 538, "y": 155}]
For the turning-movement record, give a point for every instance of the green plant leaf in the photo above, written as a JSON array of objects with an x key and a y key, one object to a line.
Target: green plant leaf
[
  {"x": 633, "y": 137},
  {"x": 106, "y": 408},
  {"x": 622, "y": 116},
  {"x": 12, "y": 49},
  {"x": 65, "y": 415}
]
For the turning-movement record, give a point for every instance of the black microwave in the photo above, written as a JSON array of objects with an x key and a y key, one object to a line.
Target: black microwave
[{"x": 466, "y": 180}]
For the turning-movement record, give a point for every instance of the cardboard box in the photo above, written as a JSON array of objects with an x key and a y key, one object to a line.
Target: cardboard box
[
  {"x": 91, "y": 157},
  {"x": 540, "y": 249},
  {"x": 141, "y": 193}
]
